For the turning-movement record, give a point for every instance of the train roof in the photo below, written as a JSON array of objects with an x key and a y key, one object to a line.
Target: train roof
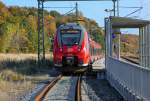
[{"x": 71, "y": 26}]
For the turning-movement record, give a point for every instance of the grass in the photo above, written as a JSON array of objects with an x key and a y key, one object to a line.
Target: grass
[
  {"x": 15, "y": 71},
  {"x": 11, "y": 91},
  {"x": 25, "y": 64},
  {"x": 10, "y": 75}
]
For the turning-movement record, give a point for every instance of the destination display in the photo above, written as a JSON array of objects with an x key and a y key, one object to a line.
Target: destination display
[{"x": 70, "y": 31}]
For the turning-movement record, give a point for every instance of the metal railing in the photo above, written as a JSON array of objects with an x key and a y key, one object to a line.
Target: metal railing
[{"x": 132, "y": 81}]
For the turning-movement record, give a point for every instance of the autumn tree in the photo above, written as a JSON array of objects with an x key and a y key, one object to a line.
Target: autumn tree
[{"x": 19, "y": 28}]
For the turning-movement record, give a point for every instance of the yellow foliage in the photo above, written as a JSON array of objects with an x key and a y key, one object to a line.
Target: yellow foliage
[{"x": 50, "y": 25}]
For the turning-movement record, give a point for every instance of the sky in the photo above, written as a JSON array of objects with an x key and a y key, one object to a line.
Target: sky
[{"x": 91, "y": 9}]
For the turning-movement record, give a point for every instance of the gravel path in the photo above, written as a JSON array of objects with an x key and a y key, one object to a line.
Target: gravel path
[
  {"x": 64, "y": 90},
  {"x": 29, "y": 96},
  {"x": 40, "y": 82},
  {"x": 100, "y": 90}
]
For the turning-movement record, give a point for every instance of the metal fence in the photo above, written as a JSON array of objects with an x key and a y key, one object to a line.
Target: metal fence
[
  {"x": 132, "y": 81},
  {"x": 144, "y": 44}
]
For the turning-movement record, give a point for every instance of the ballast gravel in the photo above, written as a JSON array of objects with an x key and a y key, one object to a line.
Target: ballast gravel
[{"x": 64, "y": 90}]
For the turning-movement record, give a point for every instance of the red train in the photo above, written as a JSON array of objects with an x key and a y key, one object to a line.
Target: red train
[{"x": 73, "y": 47}]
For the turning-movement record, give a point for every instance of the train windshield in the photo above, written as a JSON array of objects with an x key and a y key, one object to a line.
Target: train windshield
[{"x": 70, "y": 37}]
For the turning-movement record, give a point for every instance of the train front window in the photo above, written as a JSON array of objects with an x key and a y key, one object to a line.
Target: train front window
[{"x": 70, "y": 38}]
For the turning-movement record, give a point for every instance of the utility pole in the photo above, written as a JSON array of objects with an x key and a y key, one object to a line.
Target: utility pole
[
  {"x": 41, "y": 48},
  {"x": 117, "y": 7},
  {"x": 76, "y": 11},
  {"x": 114, "y": 7},
  {"x": 119, "y": 36}
]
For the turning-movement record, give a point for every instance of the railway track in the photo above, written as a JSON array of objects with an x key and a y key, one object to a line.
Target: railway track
[
  {"x": 130, "y": 59},
  {"x": 78, "y": 90},
  {"x": 44, "y": 91},
  {"x": 61, "y": 88}
]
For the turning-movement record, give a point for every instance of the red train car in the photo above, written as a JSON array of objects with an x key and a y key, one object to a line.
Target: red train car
[{"x": 72, "y": 47}]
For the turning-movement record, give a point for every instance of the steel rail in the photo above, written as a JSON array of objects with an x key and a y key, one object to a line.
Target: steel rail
[
  {"x": 78, "y": 90},
  {"x": 46, "y": 89}
]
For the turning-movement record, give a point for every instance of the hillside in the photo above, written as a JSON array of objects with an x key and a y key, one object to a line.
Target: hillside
[
  {"x": 18, "y": 28},
  {"x": 129, "y": 44}
]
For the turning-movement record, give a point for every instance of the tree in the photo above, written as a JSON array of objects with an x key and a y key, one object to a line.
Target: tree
[{"x": 55, "y": 13}]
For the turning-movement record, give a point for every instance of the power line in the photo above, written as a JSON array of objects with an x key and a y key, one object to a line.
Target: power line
[
  {"x": 73, "y": 8},
  {"x": 134, "y": 11},
  {"x": 128, "y": 7},
  {"x": 69, "y": 11},
  {"x": 58, "y": 7}
]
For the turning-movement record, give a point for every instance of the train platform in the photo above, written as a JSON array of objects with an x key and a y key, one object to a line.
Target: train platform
[
  {"x": 99, "y": 64},
  {"x": 98, "y": 69}
]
